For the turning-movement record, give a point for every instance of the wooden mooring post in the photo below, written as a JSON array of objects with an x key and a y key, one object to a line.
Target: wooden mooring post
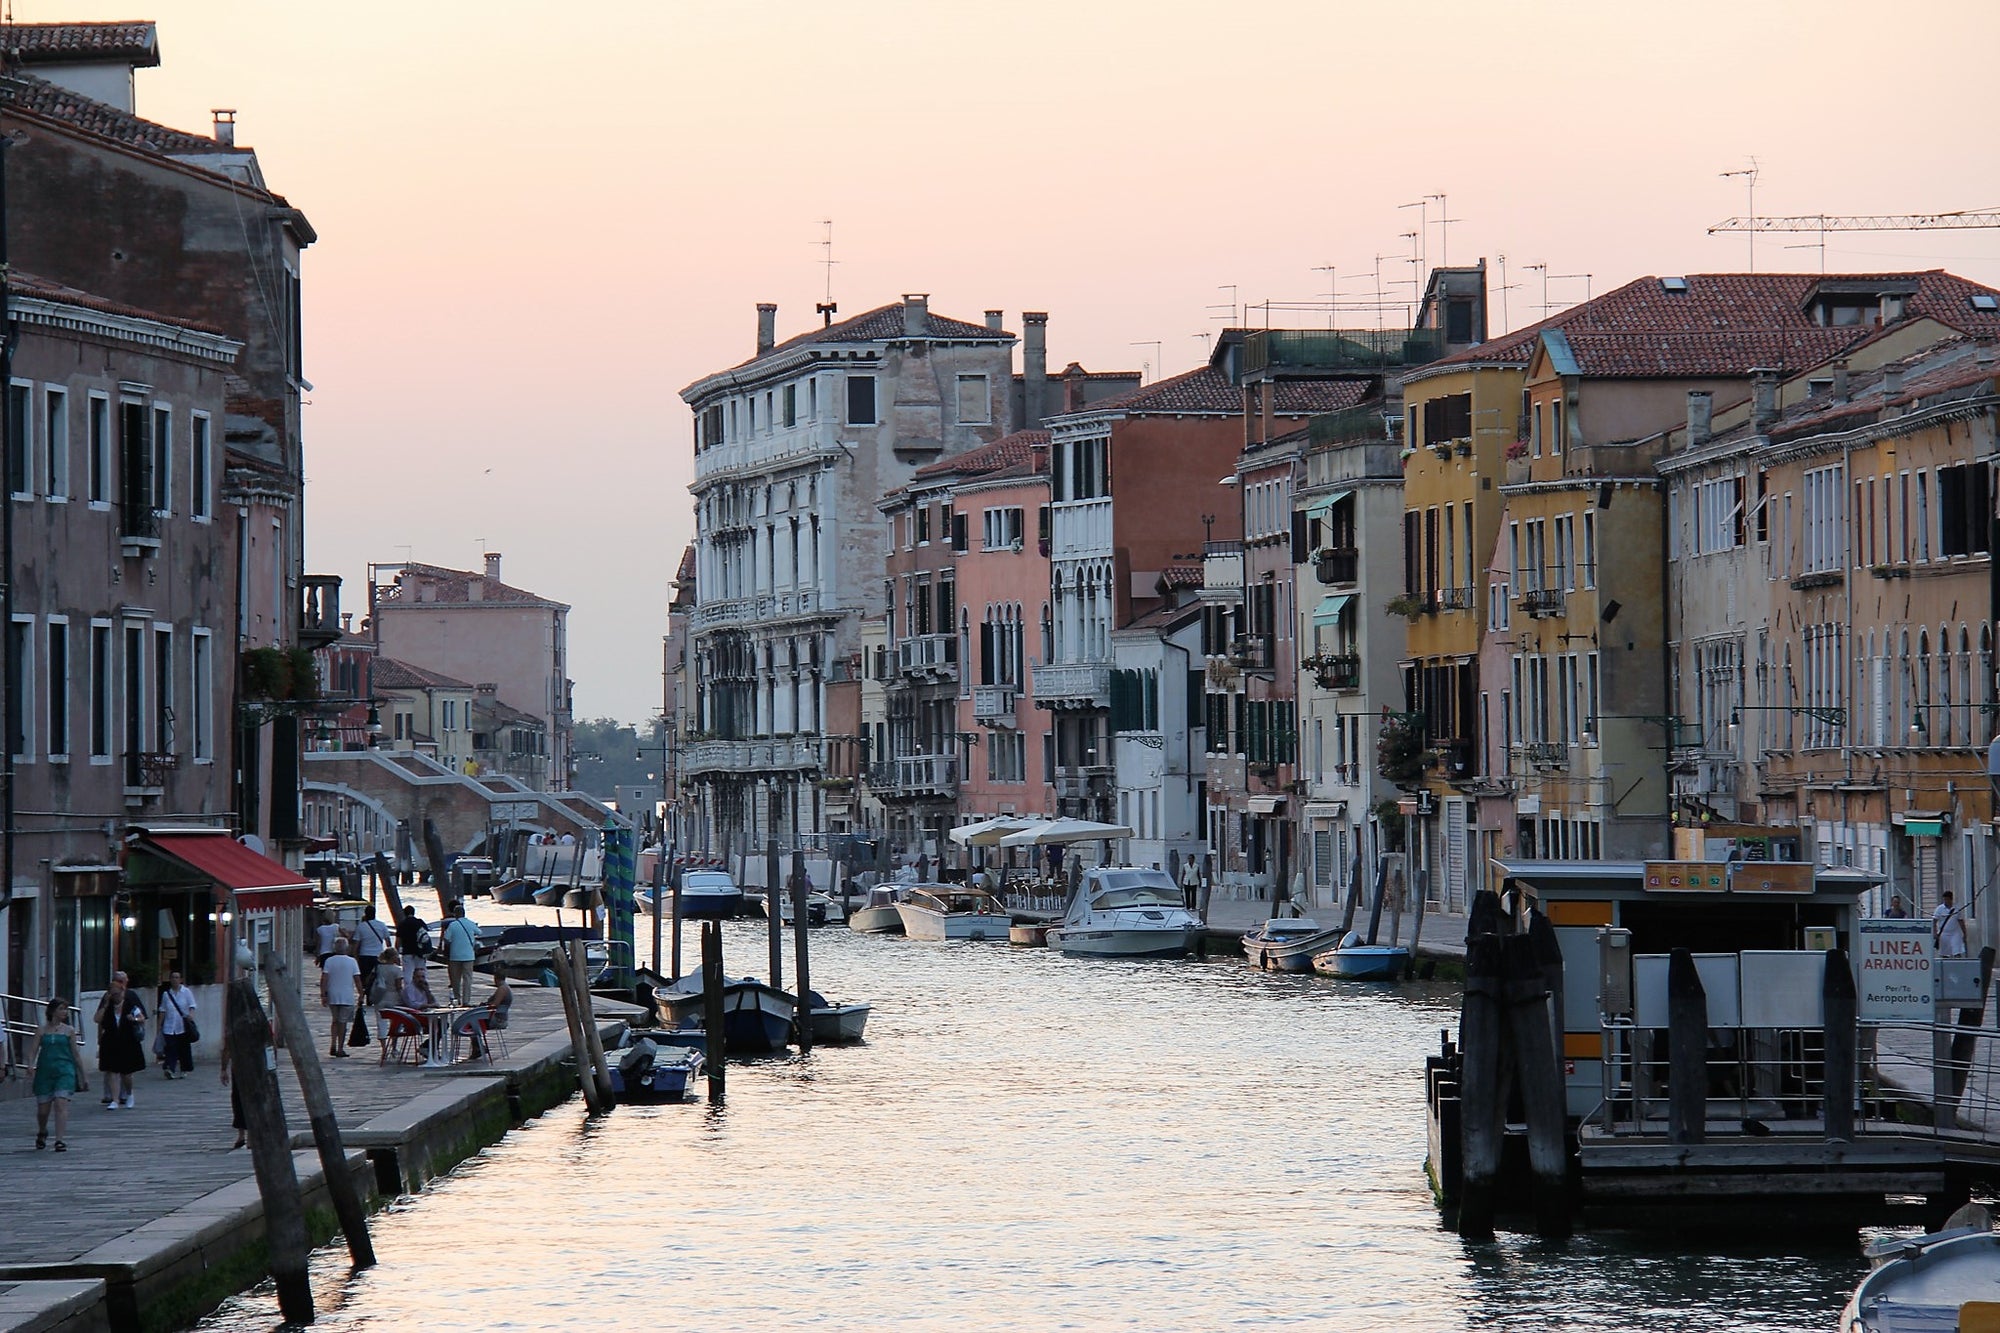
[
  {"x": 802, "y": 1021},
  {"x": 253, "y": 1068},
  {"x": 593, "y": 1040},
  {"x": 1537, "y": 1071},
  {"x": 586, "y": 1077},
  {"x": 1839, "y": 1069},
  {"x": 776, "y": 933},
  {"x": 1422, "y": 889},
  {"x": 659, "y": 900},
  {"x": 1483, "y": 1077},
  {"x": 1965, "y": 1042},
  {"x": 1354, "y": 881},
  {"x": 1687, "y": 1051},
  {"x": 347, "y": 1204},
  {"x": 711, "y": 1009}
]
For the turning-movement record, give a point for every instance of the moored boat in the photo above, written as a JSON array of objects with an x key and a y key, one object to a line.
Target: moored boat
[
  {"x": 836, "y": 1024},
  {"x": 708, "y": 894},
  {"x": 644, "y": 1069},
  {"x": 1287, "y": 943},
  {"x": 1125, "y": 912},
  {"x": 1355, "y": 960},
  {"x": 952, "y": 912},
  {"x": 756, "y": 1017},
  {"x": 877, "y": 914},
  {"x": 1928, "y": 1282}
]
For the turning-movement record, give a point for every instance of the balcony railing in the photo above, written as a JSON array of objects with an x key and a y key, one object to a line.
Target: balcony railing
[
  {"x": 1072, "y": 684},
  {"x": 1540, "y": 602},
  {"x": 994, "y": 704},
  {"x": 1454, "y": 599},
  {"x": 1250, "y": 652},
  {"x": 1545, "y": 755},
  {"x": 1222, "y": 571},
  {"x": 1079, "y": 781},
  {"x": 1340, "y": 564},
  {"x": 928, "y": 657},
  {"x": 1340, "y": 671},
  {"x": 752, "y": 610},
  {"x": 915, "y": 777},
  {"x": 776, "y": 754},
  {"x": 1340, "y": 349}
]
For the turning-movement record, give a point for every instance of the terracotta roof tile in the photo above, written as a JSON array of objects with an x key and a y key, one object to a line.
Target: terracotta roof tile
[
  {"x": 1725, "y": 323},
  {"x": 1181, "y": 576},
  {"x": 27, "y": 284},
  {"x": 454, "y": 588},
  {"x": 41, "y": 98},
  {"x": 1008, "y": 451},
  {"x": 65, "y": 43},
  {"x": 1208, "y": 391},
  {"x": 390, "y": 674}
]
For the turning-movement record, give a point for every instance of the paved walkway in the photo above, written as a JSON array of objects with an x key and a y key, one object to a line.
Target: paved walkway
[{"x": 126, "y": 1168}]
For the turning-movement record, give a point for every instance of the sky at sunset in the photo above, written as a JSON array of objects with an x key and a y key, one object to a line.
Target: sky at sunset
[{"x": 538, "y": 223}]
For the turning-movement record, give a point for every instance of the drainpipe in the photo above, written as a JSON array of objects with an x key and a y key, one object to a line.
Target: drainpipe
[{"x": 7, "y": 448}]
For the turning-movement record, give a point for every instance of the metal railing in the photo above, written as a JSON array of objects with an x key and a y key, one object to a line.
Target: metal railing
[{"x": 20, "y": 1021}]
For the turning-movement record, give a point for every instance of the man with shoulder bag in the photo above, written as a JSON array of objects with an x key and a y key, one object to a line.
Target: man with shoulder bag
[{"x": 178, "y": 1030}]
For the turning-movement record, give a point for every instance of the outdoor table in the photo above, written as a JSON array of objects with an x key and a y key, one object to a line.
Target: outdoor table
[{"x": 441, "y": 1021}]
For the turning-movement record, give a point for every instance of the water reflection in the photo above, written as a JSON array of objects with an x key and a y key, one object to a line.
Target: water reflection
[{"x": 1029, "y": 1141}]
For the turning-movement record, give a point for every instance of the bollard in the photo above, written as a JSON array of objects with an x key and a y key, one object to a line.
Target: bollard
[
  {"x": 1482, "y": 1086},
  {"x": 253, "y": 1067},
  {"x": 711, "y": 1007},
  {"x": 347, "y": 1202},
  {"x": 1838, "y": 1071},
  {"x": 1538, "y": 1076},
  {"x": 803, "y": 1017},
  {"x": 776, "y": 932}
]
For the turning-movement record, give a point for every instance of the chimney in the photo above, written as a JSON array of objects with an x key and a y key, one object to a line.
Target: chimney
[
  {"x": 767, "y": 327},
  {"x": 1892, "y": 380},
  {"x": 1034, "y": 366},
  {"x": 1982, "y": 355},
  {"x": 916, "y": 314},
  {"x": 1840, "y": 389},
  {"x": 1892, "y": 306},
  {"x": 1763, "y": 397},
  {"x": 1701, "y": 413},
  {"x": 994, "y": 319},
  {"x": 493, "y": 565},
  {"x": 1073, "y": 377},
  {"x": 225, "y": 126}
]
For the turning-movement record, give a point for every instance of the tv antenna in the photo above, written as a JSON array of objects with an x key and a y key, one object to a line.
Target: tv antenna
[
  {"x": 1506, "y": 323},
  {"x": 1154, "y": 365},
  {"x": 826, "y": 309},
  {"x": 1230, "y": 309},
  {"x": 1332, "y": 290},
  {"x": 1749, "y": 177},
  {"x": 1444, "y": 229}
]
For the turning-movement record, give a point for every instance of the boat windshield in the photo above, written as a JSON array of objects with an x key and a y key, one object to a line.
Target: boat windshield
[
  {"x": 708, "y": 881},
  {"x": 1136, "y": 888},
  {"x": 946, "y": 900}
]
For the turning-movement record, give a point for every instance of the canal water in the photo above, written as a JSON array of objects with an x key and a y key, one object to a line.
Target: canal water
[{"x": 1029, "y": 1141}]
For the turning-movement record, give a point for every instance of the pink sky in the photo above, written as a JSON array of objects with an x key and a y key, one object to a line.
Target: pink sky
[{"x": 538, "y": 223}]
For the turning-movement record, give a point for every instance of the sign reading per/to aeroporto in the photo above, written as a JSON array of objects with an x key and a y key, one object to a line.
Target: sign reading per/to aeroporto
[{"x": 1895, "y": 970}]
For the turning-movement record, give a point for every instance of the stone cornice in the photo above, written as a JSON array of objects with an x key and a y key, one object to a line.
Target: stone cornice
[{"x": 155, "y": 335}]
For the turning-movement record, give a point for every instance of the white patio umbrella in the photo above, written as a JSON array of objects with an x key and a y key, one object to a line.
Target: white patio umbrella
[
  {"x": 1065, "y": 830},
  {"x": 988, "y": 832}
]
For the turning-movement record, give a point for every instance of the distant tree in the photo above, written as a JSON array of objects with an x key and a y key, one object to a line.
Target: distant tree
[{"x": 609, "y": 756}]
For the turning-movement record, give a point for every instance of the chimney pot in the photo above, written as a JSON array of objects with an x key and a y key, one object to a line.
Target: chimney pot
[
  {"x": 225, "y": 126},
  {"x": 1840, "y": 389},
  {"x": 1701, "y": 415},
  {"x": 767, "y": 327},
  {"x": 1763, "y": 397},
  {"x": 916, "y": 314},
  {"x": 1034, "y": 367},
  {"x": 1892, "y": 379},
  {"x": 493, "y": 565},
  {"x": 994, "y": 319}
]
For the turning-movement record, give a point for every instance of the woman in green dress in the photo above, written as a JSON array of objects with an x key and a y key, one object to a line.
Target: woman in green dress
[{"x": 58, "y": 1073}]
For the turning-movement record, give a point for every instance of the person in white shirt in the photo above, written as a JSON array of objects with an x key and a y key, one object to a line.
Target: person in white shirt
[
  {"x": 175, "y": 1012},
  {"x": 371, "y": 937},
  {"x": 1948, "y": 927},
  {"x": 339, "y": 991}
]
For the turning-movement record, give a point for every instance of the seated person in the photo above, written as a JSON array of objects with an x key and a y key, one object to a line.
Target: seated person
[
  {"x": 417, "y": 987},
  {"x": 499, "y": 1002}
]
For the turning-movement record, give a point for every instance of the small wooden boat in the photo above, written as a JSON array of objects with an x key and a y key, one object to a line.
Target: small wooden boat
[
  {"x": 953, "y": 912},
  {"x": 1287, "y": 943},
  {"x": 515, "y": 892},
  {"x": 756, "y": 1017},
  {"x": 836, "y": 1024},
  {"x": 877, "y": 914},
  {"x": 1930, "y": 1282},
  {"x": 1354, "y": 960},
  {"x": 645, "y": 1069},
  {"x": 549, "y": 895}
]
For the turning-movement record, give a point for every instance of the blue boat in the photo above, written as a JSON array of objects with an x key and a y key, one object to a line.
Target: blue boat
[
  {"x": 647, "y": 1069},
  {"x": 756, "y": 1018},
  {"x": 1353, "y": 960}
]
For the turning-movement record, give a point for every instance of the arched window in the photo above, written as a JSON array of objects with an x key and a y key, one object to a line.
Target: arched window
[
  {"x": 1906, "y": 691},
  {"x": 1968, "y": 726},
  {"x": 1943, "y": 721},
  {"x": 1922, "y": 672}
]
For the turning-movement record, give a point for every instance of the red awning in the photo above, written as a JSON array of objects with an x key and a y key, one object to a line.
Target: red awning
[{"x": 259, "y": 883}]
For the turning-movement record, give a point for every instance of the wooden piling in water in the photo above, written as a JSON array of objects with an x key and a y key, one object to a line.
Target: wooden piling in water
[
  {"x": 347, "y": 1203},
  {"x": 1375, "y": 909},
  {"x": 1687, "y": 1051},
  {"x": 660, "y": 860},
  {"x": 586, "y": 1077},
  {"x": 1422, "y": 889},
  {"x": 1840, "y": 1063},
  {"x": 1549, "y": 961},
  {"x": 675, "y": 872},
  {"x": 600, "y": 1068},
  {"x": 802, "y": 1020},
  {"x": 1964, "y": 1044},
  {"x": 253, "y": 1068},
  {"x": 1354, "y": 882},
  {"x": 711, "y": 1009},
  {"x": 434, "y": 849},
  {"x": 1482, "y": 1084},
  {"x": 775, "y": 932},
  {"x": 1538, "y": 1076}
]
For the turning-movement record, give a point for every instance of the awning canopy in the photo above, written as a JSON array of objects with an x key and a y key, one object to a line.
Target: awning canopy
[
  {"x": 1330, "y": 607},
  {"x": 258, "y": 882},
  {"x": 1323, "y": 506},
  {"x": 1266, "y": 805}
]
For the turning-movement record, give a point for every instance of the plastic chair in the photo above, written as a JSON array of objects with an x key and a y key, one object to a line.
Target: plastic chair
[
  {"x": 478, "y": 1025},
  {"x": 403, "y": 1036}
]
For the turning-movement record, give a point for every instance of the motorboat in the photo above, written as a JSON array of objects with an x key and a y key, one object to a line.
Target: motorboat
[
  {"x": 755, "y": 1017},
  {"x": 952, "y": 912},
  {"x": 707, "y": 895},
  {"x": 514, "y": 892},
  {"x": 877, "y": 914},
  {"x": 1287, "y": 943},
  {"x": 524, "y": 951},
  {"x": 1125, "y": 912},
  {"x": 1928, "y": 1282},
  {"x": 821, "y": 909},
  {"x": 836, "y": 1024},
  {"x": 1353, "y": 959},
  {"x": 646, "y": 1069}
]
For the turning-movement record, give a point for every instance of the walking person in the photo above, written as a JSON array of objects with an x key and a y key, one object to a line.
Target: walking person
[
  {"x": 58, "y": 1072},
  {"x": 461, "y": 939},
  {"x": 1948, "y": 927},
  {"x": 339, "y": 991},
  {"x": 412, "y": 937},
  {"x": 121, "y": 1032},
  {"x": 329, "y": 930},
  {"x": 371, "y": 937},
  {"x": 178, "y": 1031}
]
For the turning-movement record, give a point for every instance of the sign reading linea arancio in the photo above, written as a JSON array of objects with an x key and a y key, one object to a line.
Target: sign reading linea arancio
[
  {"x": 1893, "y": 970},
  {"x": 1687, "y": 876}
]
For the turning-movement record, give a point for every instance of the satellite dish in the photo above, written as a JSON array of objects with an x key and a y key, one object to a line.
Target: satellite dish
[{"x": 253, "y": 842}]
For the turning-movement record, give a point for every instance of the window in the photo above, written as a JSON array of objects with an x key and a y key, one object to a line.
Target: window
[
  {"x": 1921, "y": 525},
  {"x": 135, "y": 470},
  {"x": 163, "y": 460},
  {"x": 1718, "y": 515},
  {"x": 98, "y": 465},
  {"x": 200, "y": 467},
  {"x": 975, "y": 403},
  {"x": 58, "y": 677},
  {"x": 1589, "y": 549},
  {"x": 860, "y": 400},
  {"x": 55, "y": 405},
  {"x": 448, "y": 715},
  {"x": 20, "y": 443},
  {"x": 1965, "y": 508},
  {"x": 1823, "y": 520},
  {"x": 20, "y": 688},
  {"x": 1002, "y": 529},
  {"x": 1080, "y": 469},
  {"x": 791, "y": 405},
  {"x": 201, "y": 724},
  {"x": 164, "y": 739},
  {"x": 100, "y": 691},
  {"x": 1556, "y": 440},
  {"x": 1448, "y": 419},
  {"x": 923, "y": 525}
]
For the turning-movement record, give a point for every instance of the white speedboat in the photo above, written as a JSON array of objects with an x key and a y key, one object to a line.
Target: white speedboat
[
  {"x": 1287, "y": 943},
  {"x": 952, "y": 912},
  {"x": 1926, "y": 1282},
  {"x": 821, "y": 909},
  {"x": 1126, "y": 912},
  {"x": 837, "y": 1024},
  {"x": 877, "y": 914}
]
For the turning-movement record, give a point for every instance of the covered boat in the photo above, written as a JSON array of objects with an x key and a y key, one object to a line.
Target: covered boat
[
  {"x": 1126, "y": 912},
  {"x": 1287, "y": 943},
  {"x": 756, "y": 1017},
  {"x": 952, "y": 912}
]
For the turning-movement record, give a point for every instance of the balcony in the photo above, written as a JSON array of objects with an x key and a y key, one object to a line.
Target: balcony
[
  {"x": 756, "y": 610},
  {"x": 915, "y": 777},
  {"x": 1083, "y": 781},
  {"x": 928, "y": 657},
  {"x": 1542, "y": 602},
  {"x": 1455, "y": 758},
  {"x": 1545, "y": 756},
  {"x": 1336, "y": 671},
  {"x": 1337, "y": 564},
  {"x": 138, "y": 522},
  {"x": 776, "y": 754},
  {"x": 993, "y": 705},
  {"x": 319, "y": 610},
  {"x": 1454, "y": 599},
  {"x": 1072, "y": 684},
  {"x": 1250, "y": 652},
  {"x": 1222, "y": 572}
]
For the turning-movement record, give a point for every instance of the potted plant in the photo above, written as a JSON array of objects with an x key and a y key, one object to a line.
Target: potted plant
[
  {"x": 1389, "y": 819},
  {"x": 1517, "y": 451},
  {"x": 1407, "y": 606},
  {"x": 1399, "y": 750}
]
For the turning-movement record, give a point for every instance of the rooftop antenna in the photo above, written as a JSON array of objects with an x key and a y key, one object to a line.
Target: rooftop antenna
[
  {"x": 1444, "y": 229},
  {"x": 1156, "y": 361},
  {"x": 1332, "y": 291},
  {"x": 1423, "y": 207},
  {"x": 826, "y": 309},
  {"x": 1542, "y": 269},
  {"x": 1749, "y": 175},
  {"x": 1570, "y": 277},
  {"x": 1506, "y": 323},
  {"x": 1229, "y": 287}
]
